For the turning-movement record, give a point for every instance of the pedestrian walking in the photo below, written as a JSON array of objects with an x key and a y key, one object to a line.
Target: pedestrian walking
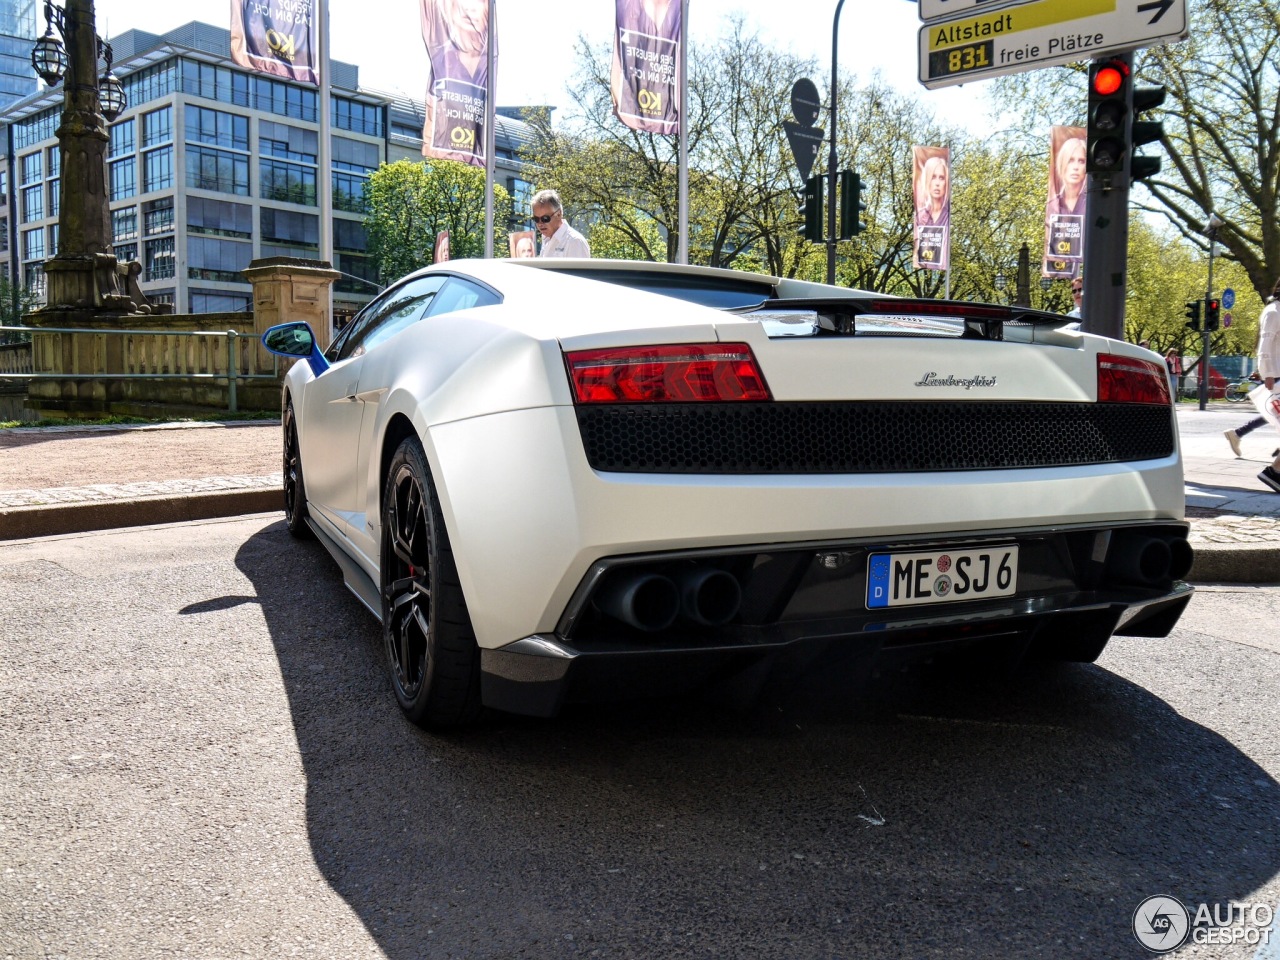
[
  {"x": 1269, "y": 370},
  {"x": 558, "y": 238},
  {"x": 1077, "y": 297}
]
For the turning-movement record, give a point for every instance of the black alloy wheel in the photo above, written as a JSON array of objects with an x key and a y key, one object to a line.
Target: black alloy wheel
[
  {"x": 295, "y": 492},
  {"x": 431, "y": 648}
]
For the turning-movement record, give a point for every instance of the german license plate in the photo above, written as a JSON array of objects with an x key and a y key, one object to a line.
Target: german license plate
[{"x": 944, "y": 576}]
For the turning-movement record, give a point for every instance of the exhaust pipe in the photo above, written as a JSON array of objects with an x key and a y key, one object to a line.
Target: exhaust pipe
[
  {"x": 1181, "y": 556},
  {"x": 1142, "y": 560},
  {"x": 645, "y": 601},
  {"x": 708, "y": 596}
]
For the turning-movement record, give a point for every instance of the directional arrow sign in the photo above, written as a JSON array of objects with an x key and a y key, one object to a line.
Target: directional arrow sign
[{"x": 1044, "y": 33}]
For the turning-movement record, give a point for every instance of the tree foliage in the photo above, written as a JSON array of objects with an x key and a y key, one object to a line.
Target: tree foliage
[{"x": 410, "y": 202}]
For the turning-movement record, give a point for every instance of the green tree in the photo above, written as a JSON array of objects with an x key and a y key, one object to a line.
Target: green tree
[
  {"x": 15, "y": 303},
  {"x": 410, "y": 202}
]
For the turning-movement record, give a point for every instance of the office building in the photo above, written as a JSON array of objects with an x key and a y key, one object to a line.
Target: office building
[{"x": 211, "y": 166}]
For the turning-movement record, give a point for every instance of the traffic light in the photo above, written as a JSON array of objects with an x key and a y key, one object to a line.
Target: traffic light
[
  {"x": 851, "y": 205},
  {"x": 1193, "y": 315},
  {"x": 1212, "y": 310},
  {"x": 1109, "y": 92},
  {"x": 811, "y": 209},
  {"x": 1145, "y": 131}
]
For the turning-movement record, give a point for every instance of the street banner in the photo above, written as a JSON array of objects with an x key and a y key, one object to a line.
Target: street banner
[
  {"x": 1064, "y": 212},
  {"x": 646, "y": 60},
  {"x": 456, "y": 34},
  {"x": 442, "y": 247},
  {"x": 279, "y": 37},
  {"x": 522, "y": 244},
  {"x": 931, "y": 183}
]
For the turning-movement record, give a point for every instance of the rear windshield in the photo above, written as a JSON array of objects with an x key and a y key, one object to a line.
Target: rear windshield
[{"x": 723, "y": 293}]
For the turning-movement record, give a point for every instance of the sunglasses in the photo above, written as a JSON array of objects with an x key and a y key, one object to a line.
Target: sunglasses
[{"x": 547, "y": 219}]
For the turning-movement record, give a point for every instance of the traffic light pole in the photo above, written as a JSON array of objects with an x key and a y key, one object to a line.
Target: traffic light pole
[
  {"x": 831, "y": 160},
  {"x": 1106, "y": 245},
  {"x": 1212, "y": 231}
]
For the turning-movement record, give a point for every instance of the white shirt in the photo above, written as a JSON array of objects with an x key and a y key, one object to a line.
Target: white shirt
[
  {"x": 565, "y": 242},
  {"x": 1269, "y": 341}
]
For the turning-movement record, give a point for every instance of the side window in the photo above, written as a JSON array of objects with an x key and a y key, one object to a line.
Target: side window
[
  {"x": 387, "y": 315},
  {"x": 459, "y": 294}
]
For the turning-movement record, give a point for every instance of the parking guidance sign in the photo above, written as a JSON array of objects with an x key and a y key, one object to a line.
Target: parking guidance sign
[{"x": 1043, "y": 33}]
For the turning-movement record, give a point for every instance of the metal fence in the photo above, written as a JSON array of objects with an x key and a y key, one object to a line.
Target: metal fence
[{"x": 189, "y": 355}]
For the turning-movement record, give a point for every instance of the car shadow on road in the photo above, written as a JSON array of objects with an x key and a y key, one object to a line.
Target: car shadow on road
[{"x": 937, "y": 813}]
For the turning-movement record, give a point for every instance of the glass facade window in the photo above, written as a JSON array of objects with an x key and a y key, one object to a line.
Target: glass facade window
[
  {"x": 219, "y": 218},
  {"x": 216, "y": 301},
  {"x": 157, "y": 127},
  {"x": 151, "y": 83},
  {"x": 124, "y": 224},
  {"x": 124, "y": 178},
  {"x": 157, "y": 216},
  {"x": 357, "y": 117},
  {"x": 217, "y": 128},
  {"x": 161, "y": 262},
  {"x": 348, "y": 192},
  {"x": 32, "y": 167},
  {"x": 33, "y": 244},
  {"x": 350, "y": 235},
  {"x": 286, "y": 99},
  {"x": 34, "y": 279},
  {"x": 4, "y": 235},
  {"x": 33, "y": 203},
  {"x": 54, "y": 231},
  {"x": 55, "y": 161},
  {"x": 210, "y": 169},
  {"x": 212, "y": 258},
  {"x": 37, "y": 128},
  {"x": 157, "y": 169},
  {"x": 362, "y": 274},
  {"x": 215, "y": 83},
  {"x": 55, "y": 197},
  {"x": 286, "y": 233},
  {"x": 125, "y": 252},
  {"x": 4, "y": 187},
  {"x": 124, "y": 138},
  {"x": 287, "y": 142},
  {"x": 287, "y": 182}
]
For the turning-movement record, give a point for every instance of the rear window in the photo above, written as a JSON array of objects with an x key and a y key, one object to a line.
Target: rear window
[{"x": 723, "y": 293}]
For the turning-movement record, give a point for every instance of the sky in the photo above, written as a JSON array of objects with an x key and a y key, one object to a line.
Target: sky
[{"x": 537, "y": 38}]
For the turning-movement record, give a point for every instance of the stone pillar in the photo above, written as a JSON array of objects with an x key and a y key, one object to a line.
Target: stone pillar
[{"x": 290, "y": 288}]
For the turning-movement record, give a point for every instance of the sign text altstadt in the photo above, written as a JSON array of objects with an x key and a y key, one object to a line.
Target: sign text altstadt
[{"x": 1041, "y": 34}]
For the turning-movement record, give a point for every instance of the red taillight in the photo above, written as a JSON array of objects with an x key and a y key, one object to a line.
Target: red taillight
[
  {"x": 670, "y": 373},
  {"x": 1130, "y": 380}
]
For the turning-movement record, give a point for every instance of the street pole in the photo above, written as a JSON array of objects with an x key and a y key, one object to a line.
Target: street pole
[
  {"x": 831, "y": 160},
  {"x": 1106, "y": 248},
  {"x": 1211, "y": 228}
]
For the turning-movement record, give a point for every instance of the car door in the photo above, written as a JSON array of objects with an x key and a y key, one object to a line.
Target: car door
[
  {"x": 334, "y": 408},
  {"x": 454, "y": 293}
]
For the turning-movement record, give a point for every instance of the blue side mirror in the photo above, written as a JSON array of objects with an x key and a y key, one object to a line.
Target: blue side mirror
[{"x": 298, "y": 341}]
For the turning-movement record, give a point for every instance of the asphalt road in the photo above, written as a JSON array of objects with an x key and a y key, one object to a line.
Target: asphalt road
[{"x": 200, "y": 756}]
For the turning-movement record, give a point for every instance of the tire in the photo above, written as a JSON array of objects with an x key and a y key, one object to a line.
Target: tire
[
  {"x": 295, "y": 490},
  {"x": 431, "y": 648}
]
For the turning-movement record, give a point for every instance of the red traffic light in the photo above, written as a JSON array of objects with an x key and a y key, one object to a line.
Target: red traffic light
[{"x": 1109, "y": 79}]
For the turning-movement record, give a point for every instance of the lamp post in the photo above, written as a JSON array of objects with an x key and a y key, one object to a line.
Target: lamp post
[{"x": 83, "y": 275}]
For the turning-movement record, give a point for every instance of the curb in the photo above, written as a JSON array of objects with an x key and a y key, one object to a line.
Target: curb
[
  {"x": 21, "y": 523},
  {"x": 1237, "y": 563}
]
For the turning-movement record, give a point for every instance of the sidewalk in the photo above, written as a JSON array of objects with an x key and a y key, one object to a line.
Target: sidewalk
[{"x": 60, "y": 480}]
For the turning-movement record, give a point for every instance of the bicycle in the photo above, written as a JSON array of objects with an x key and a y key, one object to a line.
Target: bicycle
[{"x": 1237, "y": 391}]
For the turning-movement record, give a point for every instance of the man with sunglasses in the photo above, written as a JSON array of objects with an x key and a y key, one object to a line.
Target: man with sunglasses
[
  {"x": 1077, "y": 297},
  {"x": 558, "y": 238}
]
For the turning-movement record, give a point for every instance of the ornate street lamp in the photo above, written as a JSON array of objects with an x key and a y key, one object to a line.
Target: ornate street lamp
[{"x": 84, "y": 274}]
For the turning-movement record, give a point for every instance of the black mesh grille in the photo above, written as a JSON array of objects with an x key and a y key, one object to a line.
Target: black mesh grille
[{"x": 868, "y": 437}]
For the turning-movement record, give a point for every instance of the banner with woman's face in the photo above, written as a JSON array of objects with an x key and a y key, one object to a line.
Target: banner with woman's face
[
  {"x": 274, "y": 38},
  {"x": 931, "y": 184},
  {"x": 1064, "y": 212},
  {"x": 645, "y": 80},
  {"x": 456, "y": 34}
]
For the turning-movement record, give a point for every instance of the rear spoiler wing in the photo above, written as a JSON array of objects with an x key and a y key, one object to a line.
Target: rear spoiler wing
[{"x": 893, "y": 317}]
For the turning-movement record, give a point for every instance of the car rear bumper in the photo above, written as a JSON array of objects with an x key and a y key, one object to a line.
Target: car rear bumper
[{"x": 799, "y": 603}]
